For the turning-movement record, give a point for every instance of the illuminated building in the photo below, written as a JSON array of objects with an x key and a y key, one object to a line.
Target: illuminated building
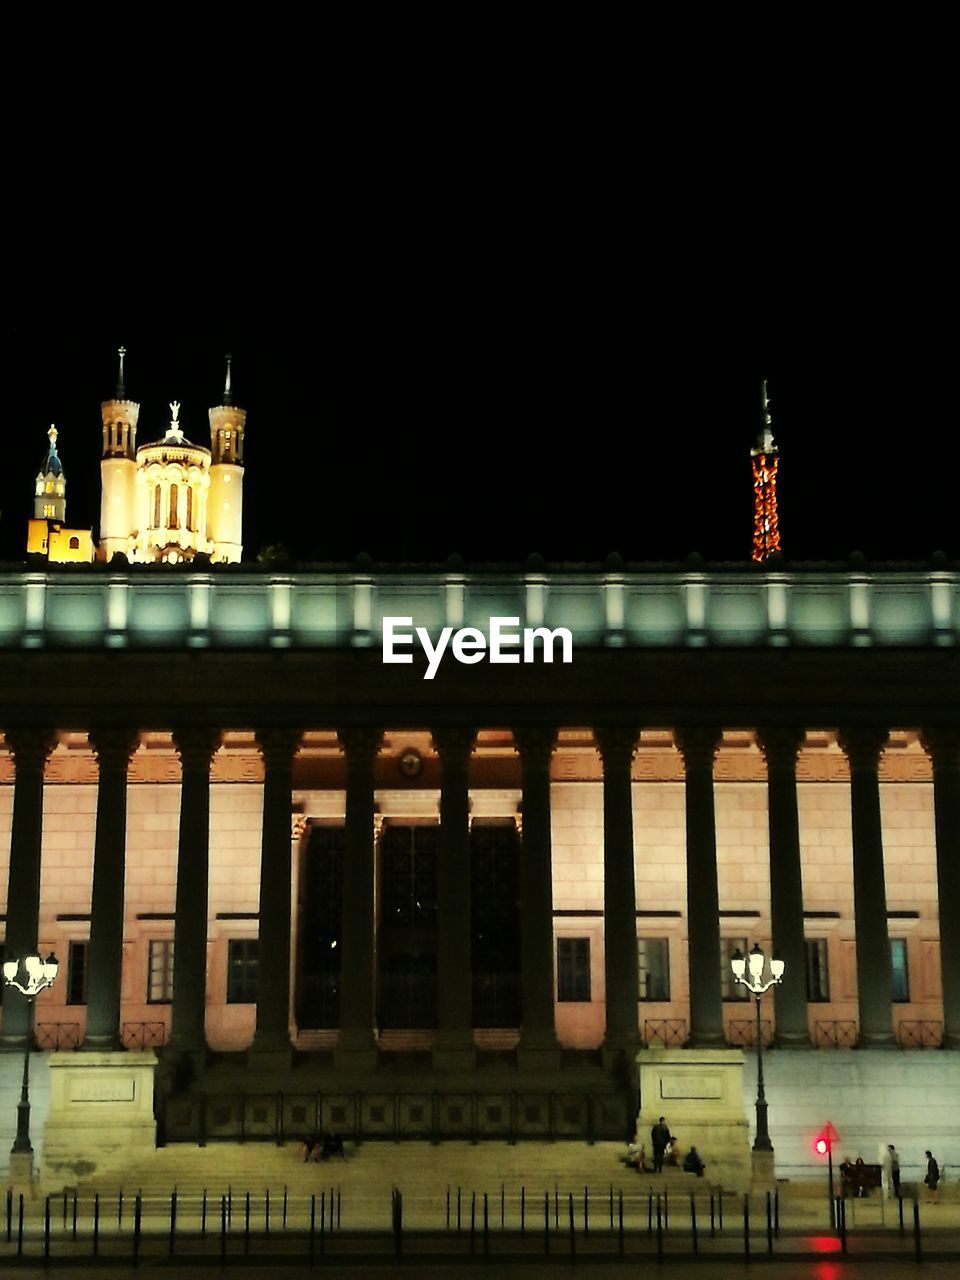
[
  {"x": 171, "y": 500},
  {"x": 47, "y": 535},
  {"x": 468, "y": 902},
  {"x": 766, "y": 462}
]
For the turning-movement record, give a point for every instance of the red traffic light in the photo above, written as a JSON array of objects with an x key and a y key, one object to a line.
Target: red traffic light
[{"x": 821, "y": 1146}]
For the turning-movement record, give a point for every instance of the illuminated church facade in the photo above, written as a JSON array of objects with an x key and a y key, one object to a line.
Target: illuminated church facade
[{"x": 331, "y": 891}]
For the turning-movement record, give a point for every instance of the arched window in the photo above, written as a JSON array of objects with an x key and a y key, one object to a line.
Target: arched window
[
  {"x": 156, "y": 506},
  {"x": 74, "y": 544},
  {"x": 189, "y": 507},
  {"x": 174, "y": 491}
]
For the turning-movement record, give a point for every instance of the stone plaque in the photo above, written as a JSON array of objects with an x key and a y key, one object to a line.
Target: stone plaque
[
  {"x": 682, "y": 1085},
  {"x": 93, "y": 1090}
]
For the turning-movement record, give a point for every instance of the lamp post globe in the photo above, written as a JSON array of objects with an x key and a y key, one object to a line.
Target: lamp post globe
[
  {"x": 30, "y": 975},
  {"x": 754, "y": 983}
]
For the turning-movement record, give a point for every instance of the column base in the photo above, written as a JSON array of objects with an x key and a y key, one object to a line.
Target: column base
[
  {"x": 356, "y": 1052},
  {"x": 707, "y": 1040},
  {"x": 538, "y": 1054},
  {"x": 101, "y": 1044},
  {"x": 877, "y": 1040},
  {"x": 792, "y": 1040},
  {"x": 20, "y": 1177},
  {"x": 454, "y": 1052},
  {"x": 621, "y": 1060},
  {"x": 270, "y": 1057},
  {"x": 182, "y": 1062},
  {"x": 763, "y": 1171}
]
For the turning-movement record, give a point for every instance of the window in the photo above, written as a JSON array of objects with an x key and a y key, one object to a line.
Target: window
[
  {"x": 243, "y": 963},
  {"x": 156, "y": 506},
  {"x": 573, "y": 969},
  {"x": 730, "y": 990},
  {"x": 653, "y": 961},
  {"x": 901, "y": 975},
  {"x": 48, "y": 510},
  {"x": 174, "y": 496},
  {"x": 77, "y": 953},
  {"x": 818, "y": 974},
  {"x": 189, "y": 507},
  {"x": 160, "y": 971},
  {"x": 74, "y": 544}
]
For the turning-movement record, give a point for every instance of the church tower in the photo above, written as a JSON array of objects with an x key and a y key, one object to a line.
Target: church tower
[
  {"x": 50, "y": 494},
  {"x": 118, "y": 469},
  {"x": 225, "y": 501},
  {"x": 766, "y": 460}
]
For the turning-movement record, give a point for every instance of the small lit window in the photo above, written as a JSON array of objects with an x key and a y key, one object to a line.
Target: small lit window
[
  {"x": 74, "y": 544},
  {"x": 243, "y": 966},
  {"x": 48, "y": 510},
  {"x": 573, "y": 969},
  {"x": 818, "y": 974},
  {"x": 160, "y": 971},
  {"x": 77, "y": 954},
  {"x": 653, "y": 961},
  {"x": 901, "y": 974}
]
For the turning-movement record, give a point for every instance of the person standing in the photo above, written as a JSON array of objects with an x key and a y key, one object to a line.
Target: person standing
[
  {"x": 659, "y": 1137},
  {"x": 894, "y": 1158},
  {"x": 932, "y": 1180}
]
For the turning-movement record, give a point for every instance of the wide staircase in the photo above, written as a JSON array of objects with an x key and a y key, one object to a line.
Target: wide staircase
[{"x": 532, "y": 1178}]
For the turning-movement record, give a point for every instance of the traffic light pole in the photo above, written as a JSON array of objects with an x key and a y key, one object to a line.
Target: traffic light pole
[{"x": 833, "y": 1207}]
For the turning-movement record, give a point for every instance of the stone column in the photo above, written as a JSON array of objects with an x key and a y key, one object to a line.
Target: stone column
[
  {"x": 943, "y": 746},
  {"x": 356, "y": 1047},
  {"x": 278, "y": 748},
  {"x": 538, "y": 1039},
  {"x": 196, "y": 748},
  {"x": 780, "y": 747},
  {"x": 698, "y": 747},
  {"x": 622, "y": 1038},
  {"x": 113, "y": 748},
  {"x": 863, "y": 747},
  {"x": 454, "y": 1045},
  {"x": 29, "y": 748}
]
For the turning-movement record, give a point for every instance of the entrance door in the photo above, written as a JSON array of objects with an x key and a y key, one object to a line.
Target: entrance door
[
  {"x": 407, "y": 934},
  {"x": 321, "y": 912},
  {"x": 495, "y": 918}
]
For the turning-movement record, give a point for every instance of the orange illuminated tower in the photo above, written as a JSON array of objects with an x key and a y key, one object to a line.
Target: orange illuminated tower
[{"x": 766, "y": 460}]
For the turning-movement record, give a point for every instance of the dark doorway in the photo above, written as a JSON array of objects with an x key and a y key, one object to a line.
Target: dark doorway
[
  {"x": 407, "y": 936},
  {"x": 495, "y": 916},
  {"x": 321, "y": 913}
]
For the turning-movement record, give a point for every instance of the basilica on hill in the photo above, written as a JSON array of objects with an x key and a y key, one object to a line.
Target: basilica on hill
[
  {"x": 295, "y": 885},
  {"x": 169, "y": 501}
]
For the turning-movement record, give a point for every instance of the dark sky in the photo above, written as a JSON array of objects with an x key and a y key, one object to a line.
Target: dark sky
[{"x": 495, "y": 282}]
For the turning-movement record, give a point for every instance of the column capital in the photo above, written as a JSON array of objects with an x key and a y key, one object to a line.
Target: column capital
[
  {"x": 360, "y": 744},
  {"x": 616, "y": 744},
  {"x": 30, "y": 748},
  {"x": 454, "y": 745},
  {"x": 535, "y": 745},
  {"x": 698, "y": 744},
  {"x": 196, "y": 747},
  {"x": 863, "y": 747},
  {"x": 114, "y": 747},
  {"x": 780, "y": 745},
  {"x": 942, "y": 745},
  {"x": 278, "y": 747}
]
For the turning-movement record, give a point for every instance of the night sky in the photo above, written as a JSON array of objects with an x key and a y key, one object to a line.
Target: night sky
[{"x": 494, "y": 282}]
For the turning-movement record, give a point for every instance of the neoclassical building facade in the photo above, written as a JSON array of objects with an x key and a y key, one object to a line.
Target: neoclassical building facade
[{"x": 313, "y": 879}]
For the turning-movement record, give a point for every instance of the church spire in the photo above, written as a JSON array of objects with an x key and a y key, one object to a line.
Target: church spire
[
  {"x": 227, "y": 393},
  {"x": 765, "y": 461},
  {"x": 121, "y": 393}
]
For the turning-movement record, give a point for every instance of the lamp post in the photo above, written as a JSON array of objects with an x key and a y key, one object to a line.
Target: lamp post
[
  {"x": 756, "y": 986},
  {"x": 39, "y": 974}
]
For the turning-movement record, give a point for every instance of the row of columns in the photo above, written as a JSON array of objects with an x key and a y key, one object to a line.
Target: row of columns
[{"x": 196, "y": 747}]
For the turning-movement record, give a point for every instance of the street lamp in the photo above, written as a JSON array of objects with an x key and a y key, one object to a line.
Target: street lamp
[
  {"x": 39, "y": 974},
  {"x": 755, "y": 984}
]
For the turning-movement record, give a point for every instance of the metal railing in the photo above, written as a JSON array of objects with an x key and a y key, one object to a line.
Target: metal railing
[
  {"x": 836, "y": 1033},
  {"x": 920, "y": 1033},
  {"x": 670, "y": 1032},
  {"x": 57, "y": 1035},
  {"x": 742, "y": 1032},
  {"x": 143, "y": 1035}
]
